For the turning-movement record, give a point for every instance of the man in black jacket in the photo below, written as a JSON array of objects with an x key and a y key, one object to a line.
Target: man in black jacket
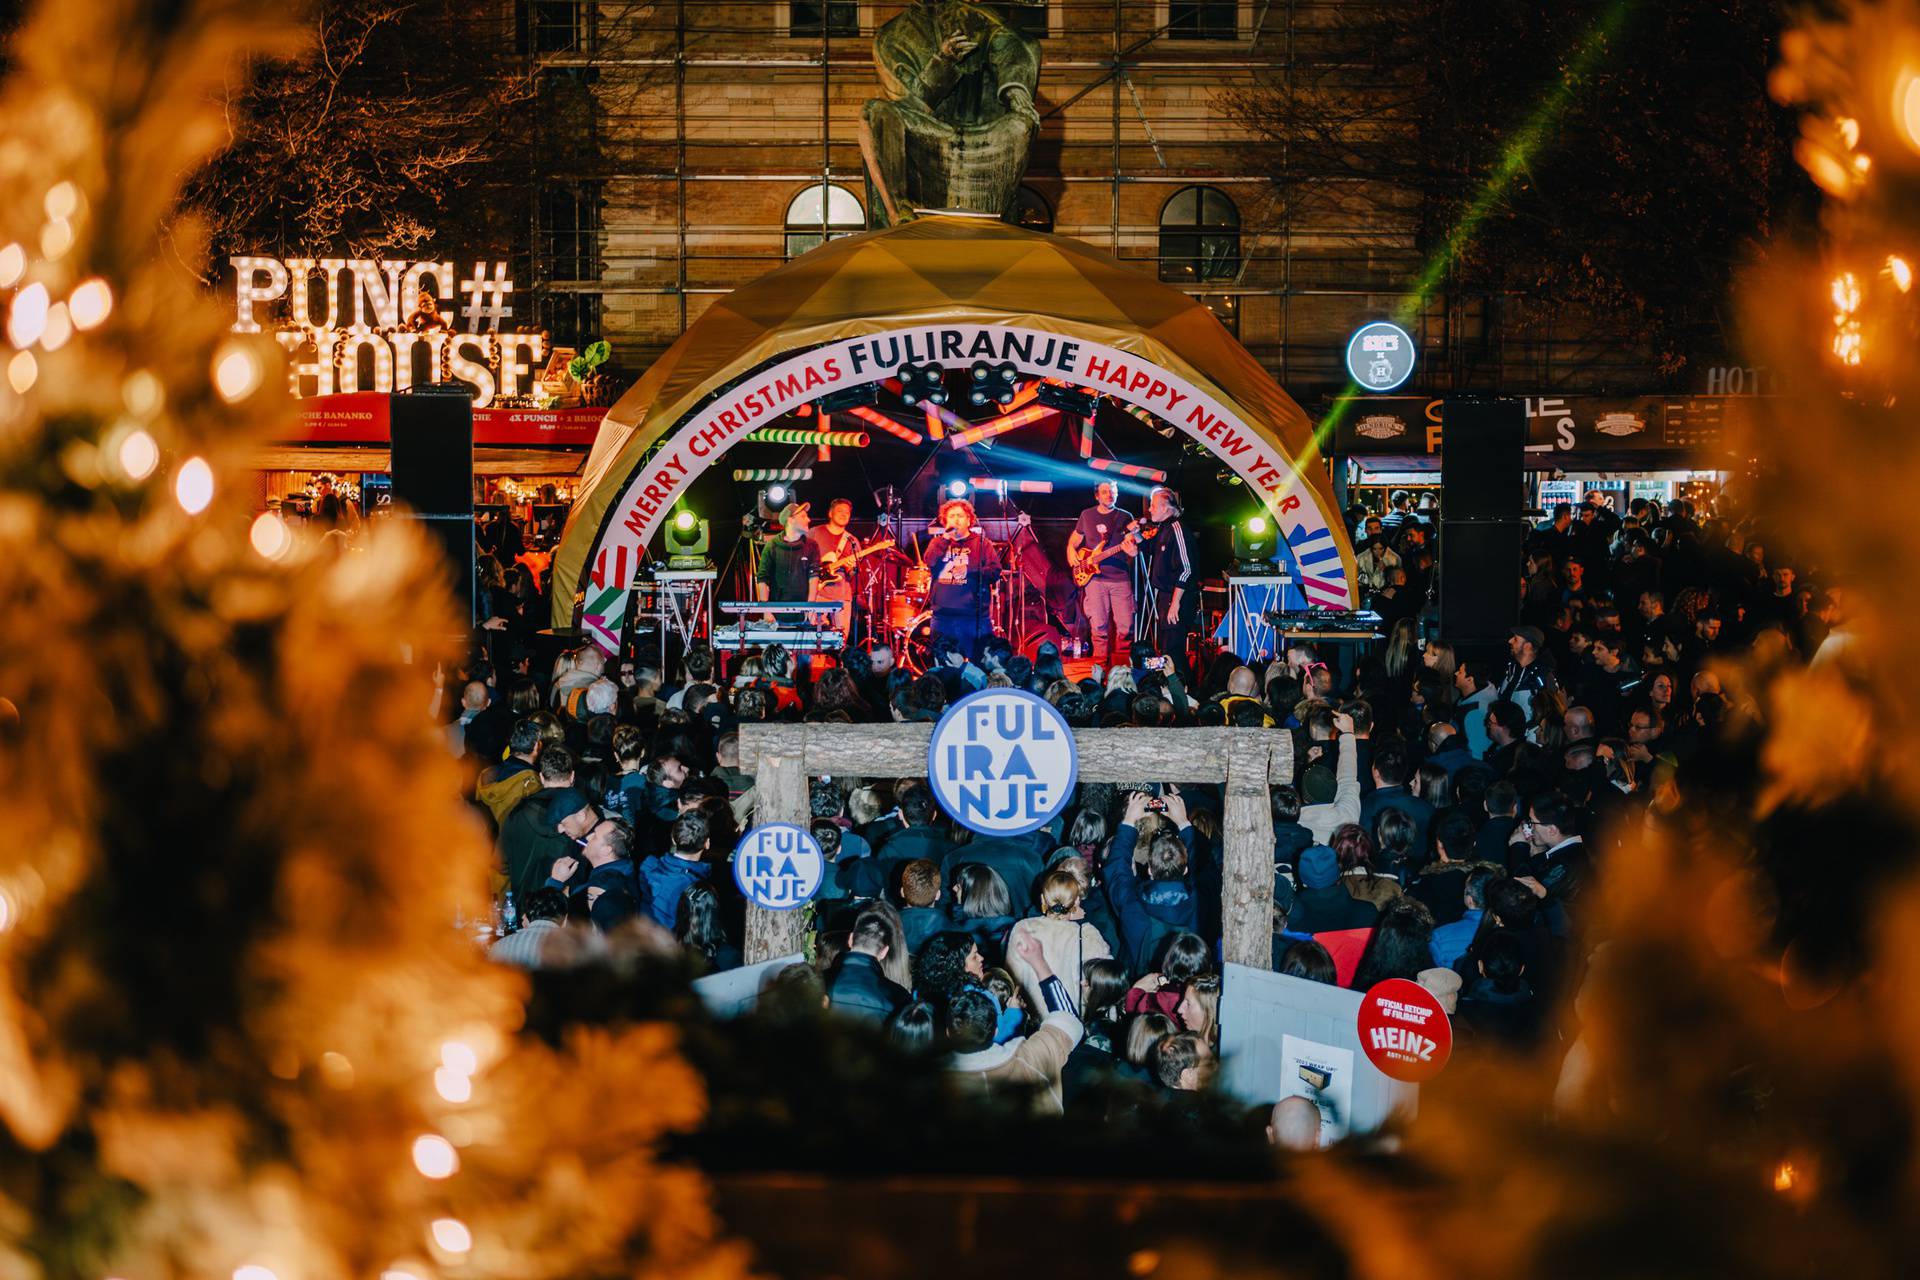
[
  {"x": 1176, "y": 585},
  {"x": 856, "y": 987}
]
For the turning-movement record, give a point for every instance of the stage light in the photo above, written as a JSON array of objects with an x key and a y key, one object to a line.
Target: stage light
[
  {"x": 1253, "y": 541},
  {"x": 847, "y": 398},
  {"x": 776, "y": 495},
  {"x": 922, "y": 383},
  {"x": 956, "y": 488},
  {"x": 1067, "y": 400},
  {"x": 991, "y": 383},
  {"x": 1257, "y": 525},
  {"x": 688, "y": 538}
]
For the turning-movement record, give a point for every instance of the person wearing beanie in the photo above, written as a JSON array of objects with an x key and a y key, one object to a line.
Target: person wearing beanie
[
  {"x": 1321, "y": 903},
  {"x": 540, "y": 830}
]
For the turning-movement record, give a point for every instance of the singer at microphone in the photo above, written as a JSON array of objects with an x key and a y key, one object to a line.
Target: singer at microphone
[{"x": 965, "y": 566}]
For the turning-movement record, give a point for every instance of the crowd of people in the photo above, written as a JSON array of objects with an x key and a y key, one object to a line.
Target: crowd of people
[{"x": 1448, "y": 819}]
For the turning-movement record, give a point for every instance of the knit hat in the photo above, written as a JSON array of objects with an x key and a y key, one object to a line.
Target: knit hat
[
  {"x": 564, "y": 802},
  {"x": 1319, "y": 867},
  {"x": 1317, "y": 785},
  {"x": 1444, "y": 984}
]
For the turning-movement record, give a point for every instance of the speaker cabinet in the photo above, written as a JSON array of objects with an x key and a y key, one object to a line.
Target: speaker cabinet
[
  {"x": 1480, "y": 582},
  {"x": 1482, "y": 446},
  {"x": 432, "y": 469}
]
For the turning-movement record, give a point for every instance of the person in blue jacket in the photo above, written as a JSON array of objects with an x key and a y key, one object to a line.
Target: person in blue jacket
[
  {"x": 667, "y": 875},
  {"x": 1164, "y": 904}
]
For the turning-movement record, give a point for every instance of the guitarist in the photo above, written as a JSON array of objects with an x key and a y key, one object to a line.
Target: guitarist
[
  {"x": 1107, "y": 532},
  {"x": 836, "y": 546},
  {"x": 965, "y": 567}
]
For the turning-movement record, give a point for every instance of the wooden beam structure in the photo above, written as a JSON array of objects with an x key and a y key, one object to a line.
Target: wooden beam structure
[{"x": 783, "y": 757}]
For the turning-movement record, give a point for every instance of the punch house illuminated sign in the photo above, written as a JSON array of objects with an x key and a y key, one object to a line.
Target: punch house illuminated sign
[{"x": 359, "y": 324}]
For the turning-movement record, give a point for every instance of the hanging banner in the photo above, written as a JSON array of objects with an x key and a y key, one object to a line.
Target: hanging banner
[{"x": 1401, "y": 426}]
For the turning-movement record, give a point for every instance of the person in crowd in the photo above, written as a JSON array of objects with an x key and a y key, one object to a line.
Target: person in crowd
[
  {"x": 542, "y": 914},
  {"x": 1068, "y": 941},
  {"x": 542, "y": 829},
  {"x": 1499, "y": 1004},
  {"x": 1399, "y": 947},
  {"x": 1025, "y": 1067},
  {"x": 920, "y": 913},
  {"x": 1358, "y": 873},
  {"x": 1310, "y": 961},
  {"x": 601, "y": 880},
  {"x": 983, "y": 907},
  {"x": 1333, "y": 800},
  {"x": 1439, "y": 884},
  {"x": 700, "y": 928},
  {"x": 1184, "y": 958},
  {"x": 1182, "y": 1062},
  {"x": 914, "y": 1027},
  {"x": 1294, "y": 1124},
  {"x": 856, "y": 986},
  {"x": 1451, "y": 940},
  {"x": 1557, "y": 865},
  {"x": 1323, "y": 903},
  {"x": 1199, "y": 1008},
  {"x": 1148, "y": 913},
  {"x": 668, "y": 875},
  {"x": 1530, "y": 669},
  {"x": 503, "y": 786},
  {"x": 946, "y": 964}
]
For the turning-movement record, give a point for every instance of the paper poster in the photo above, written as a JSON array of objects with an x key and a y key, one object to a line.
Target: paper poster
[{"x": 1324, "y": 1075}]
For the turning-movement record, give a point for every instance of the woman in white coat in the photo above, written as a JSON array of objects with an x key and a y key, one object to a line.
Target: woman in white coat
[{"x": 1065, "y": 937}]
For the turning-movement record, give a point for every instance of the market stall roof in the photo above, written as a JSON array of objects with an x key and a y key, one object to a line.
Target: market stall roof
[{"x": 935, "y": 269}]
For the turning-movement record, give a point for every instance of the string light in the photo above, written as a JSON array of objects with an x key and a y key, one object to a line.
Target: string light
[
  {"x": 452, "y": 1235},
  {"x": 193, "y": 486},
  {"x": 22, "y": 371},
  {"x": 27, "y": 319},
  {"x": 453, "y": 1086},
  {"x": 63, "y": 198},
  {"x": 236, "y": 372},
  {"x": 56, "y": 237},
  {"x": 1906, "y": 106},
  {"x": 138, "y": 455},
  {"x": 90, "y": 303},
  {"x": 143, "y": 394},
  {"x": 435, "y": 1157},
  {"x": 270, "y": 535},
  {"x": 458, "y": 1057},
  {"x": 59, "y": 327}
]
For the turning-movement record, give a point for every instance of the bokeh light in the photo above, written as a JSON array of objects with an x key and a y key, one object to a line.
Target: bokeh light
[
  {"x": 13, "y": 265},
  {"x": 270, "y": 535},
  {"x": 27, "y": 318},
  {"x": 193, "y": 486},
  {"x": 236, "y": 371},
  {"x": 452, "y": 1235},
  {"x": 90, "y": 303},
  {"x": 138, "y": 455},
  {"x": 59, "y": 327},
  {"x": 458, "y": 1057},
  {"x": 435, "y": 1157}
]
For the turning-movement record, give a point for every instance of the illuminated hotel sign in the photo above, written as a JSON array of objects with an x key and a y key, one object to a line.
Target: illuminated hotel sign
[{"x": 353, "y": 324}]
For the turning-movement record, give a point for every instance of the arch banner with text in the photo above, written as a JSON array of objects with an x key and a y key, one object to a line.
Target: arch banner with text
[{"x": 956, "y": 291}]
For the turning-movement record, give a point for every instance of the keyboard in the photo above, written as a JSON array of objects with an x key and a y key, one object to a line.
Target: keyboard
[{"x": 798, "y": 639}]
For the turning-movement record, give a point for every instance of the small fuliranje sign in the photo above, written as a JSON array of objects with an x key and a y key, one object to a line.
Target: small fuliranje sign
[
  {"x": 1404, "y": 1031},
  {"x": 779, "y": 866},
  {"x": 1002, "y": 762}
]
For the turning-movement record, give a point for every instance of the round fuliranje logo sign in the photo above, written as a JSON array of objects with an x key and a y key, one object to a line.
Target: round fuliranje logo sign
[
  {"x": 1002, "y": 762},
  {"x": 779, "y": 866},
  {"x": 1404, "y": 1031},
  {"x": 1380, "y": 356}
]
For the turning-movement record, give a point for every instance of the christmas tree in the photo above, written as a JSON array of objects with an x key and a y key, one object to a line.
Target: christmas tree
[{"x": 239, "y": 1033}]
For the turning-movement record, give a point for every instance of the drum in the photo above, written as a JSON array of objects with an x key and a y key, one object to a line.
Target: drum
[
  {"x": 917, "y": 579},
  {"x": 903, "y": 607},
  {"x": 915, "y": 652}
]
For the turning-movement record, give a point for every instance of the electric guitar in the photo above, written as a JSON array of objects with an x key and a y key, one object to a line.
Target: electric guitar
[
  {"x": 834, "y": 568},
  {"x": 1087, "y": 566}
]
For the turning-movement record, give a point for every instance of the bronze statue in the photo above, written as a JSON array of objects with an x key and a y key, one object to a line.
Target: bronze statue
[{"x": 953, "y": 130}]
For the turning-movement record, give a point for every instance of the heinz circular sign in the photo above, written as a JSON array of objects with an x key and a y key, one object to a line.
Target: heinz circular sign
[
  {"x": 1404, "y": 1031},
  {"x": 779, "y": 866},
  {"x": 1002, "y": 762}
]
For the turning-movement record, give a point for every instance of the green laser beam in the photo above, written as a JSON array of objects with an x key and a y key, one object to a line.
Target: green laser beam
[{"x": 1527, "y": 141}]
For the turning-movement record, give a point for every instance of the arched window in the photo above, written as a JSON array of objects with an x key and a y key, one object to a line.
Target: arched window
[
  {"x": 1031, "y": 210},
  {"x": 1199, "y": 236},
  {"x": 822, "y": 213}
]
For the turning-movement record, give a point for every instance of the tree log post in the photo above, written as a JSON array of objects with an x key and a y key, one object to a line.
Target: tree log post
[
  {"x": 1246, "y": 912},
  {"x": 780, "y": 795}
]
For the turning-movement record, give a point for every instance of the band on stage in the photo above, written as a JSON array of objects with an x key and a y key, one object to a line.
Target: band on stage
[{"x": 951, "y": 588}]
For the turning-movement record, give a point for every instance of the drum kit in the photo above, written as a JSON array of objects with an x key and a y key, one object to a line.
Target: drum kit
[{"x": 894, "y": 591}]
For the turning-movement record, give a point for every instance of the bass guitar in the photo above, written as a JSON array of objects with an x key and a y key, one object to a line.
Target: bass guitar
[
  {"x": 834, "y": 568},
  {"x": 1087, "y": 565}
]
